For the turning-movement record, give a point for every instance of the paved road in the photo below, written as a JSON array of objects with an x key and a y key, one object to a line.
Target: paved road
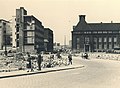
[{"x": 95, "y": 74}]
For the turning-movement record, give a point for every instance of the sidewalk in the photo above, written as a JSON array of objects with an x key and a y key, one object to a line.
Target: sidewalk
[{"x": 45, "y": 70}]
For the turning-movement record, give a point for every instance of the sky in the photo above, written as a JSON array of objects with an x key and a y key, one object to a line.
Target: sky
[{"x": 61, "y": 15}]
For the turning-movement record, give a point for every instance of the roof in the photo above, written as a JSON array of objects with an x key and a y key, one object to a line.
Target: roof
[
  {"x": 104, "y": 26},
  {"x": 97, "y": 26},
  {"x": 83, "y": 25}
]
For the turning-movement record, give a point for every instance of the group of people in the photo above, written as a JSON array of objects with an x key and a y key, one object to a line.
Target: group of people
[
  {"x": 69, "y": 58},
  {"x": 29, "y": 64},
  {"x": 39, "y": 60}
]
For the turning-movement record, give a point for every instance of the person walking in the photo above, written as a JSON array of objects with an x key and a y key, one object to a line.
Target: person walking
[
  {"x": 28, "y": 62},
  {"x": 70, "y": 59},
  {"x": 39, "y": 61}
]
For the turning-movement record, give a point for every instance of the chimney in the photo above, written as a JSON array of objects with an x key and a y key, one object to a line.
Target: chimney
[{"x": 82, "y": 18}]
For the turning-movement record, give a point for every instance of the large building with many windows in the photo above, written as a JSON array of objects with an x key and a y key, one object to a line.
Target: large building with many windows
[
  {"x": 48, "y": 40},
  {"x": 31, "y": 36},
  {"x": 93, "y": 37},
  {"x": 5, "y": 34}
]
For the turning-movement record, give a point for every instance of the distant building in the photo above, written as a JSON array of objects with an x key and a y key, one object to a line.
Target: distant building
[
  {"x": 48, "y": 39},
  {"x": 56, "y": 46},
  {"x": 5, "y": 34},
  {"x": 90, "y": 37}
]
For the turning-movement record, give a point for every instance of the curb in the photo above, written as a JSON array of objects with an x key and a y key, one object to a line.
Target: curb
[
  {"x": 8, "y": 70},
  {"x": 38, "y": 72}
]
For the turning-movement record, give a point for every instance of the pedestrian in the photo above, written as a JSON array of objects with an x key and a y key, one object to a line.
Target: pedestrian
[
  {"x": 70, "y": 59},
  {"x": 58, "y": 55},
  {"x": 86, "y": 56},
  {"x": 39, "y": 61},
  {"x": 28, "y": 63}
]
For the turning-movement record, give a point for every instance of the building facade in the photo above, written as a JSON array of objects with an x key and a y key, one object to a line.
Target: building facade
[
  {"x": 20, "y": 28},
  {"x": 48, "y": 40},
  {"x": 13, "y": 26},
  {"x": 5, "y": 34},
  {"x": 92, "y": 37},
  {"x": 31, "y": 35}
]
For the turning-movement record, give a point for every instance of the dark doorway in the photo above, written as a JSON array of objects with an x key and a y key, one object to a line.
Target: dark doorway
[{"x": 86, "y": 48}]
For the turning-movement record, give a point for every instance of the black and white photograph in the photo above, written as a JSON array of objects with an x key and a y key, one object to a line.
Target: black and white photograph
[{"x": 59, "y": 44}]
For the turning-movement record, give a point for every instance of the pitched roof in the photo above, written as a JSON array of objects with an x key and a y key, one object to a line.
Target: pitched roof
[
  {"x": 83, "y": 25},
  {"x": 97, "y": 26},
  {"x": 104, "y": 26}
]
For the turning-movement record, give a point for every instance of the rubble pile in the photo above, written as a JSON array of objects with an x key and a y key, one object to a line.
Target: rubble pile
[
  {"x": 14, "y": 63},
  {"x": 10, "y": 63}
]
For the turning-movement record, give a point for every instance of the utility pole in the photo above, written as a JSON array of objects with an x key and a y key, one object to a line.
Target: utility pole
[{"x": 65, "y": 42}]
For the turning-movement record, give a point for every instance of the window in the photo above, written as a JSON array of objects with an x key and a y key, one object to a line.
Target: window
[
  {"x": 110, "y": 46},
  {"x": 87, "y": 40},
  {"x": 99, "y": 31},
  {"x": 30, "y": 33},
  {"x": 17, "y": 36},
  {"x": 105, "y": 39},
  {"x": 115, "y": 45},
  {"x": 17, "y": 25},
  {"x": 88, "y": 32},
  {"x": 109, "y": 31},
  {"x": 78, "y": 40},
  {"x": 95, "y": 40},
  {"x": 17, "y": 43},
  {"x": 95, "y": 46},
  {"x": 17, "y": 30},
  {"x": 85, "y": 32},
  {"x": 100, "y": 39},
  {"x": 30, "y": 40},
  {"x": 18, "y": 20},
  {"x": 104, "y": 31},
  {"x": 95, "y": 32},
  {"x": 105, "y": 46},
  {"x": 29, "y": 27},
  {"x": 100, "y": 46},
  {"x": 77, "y": 32},
  {"x": 115, "y": 39},
  {"x": 115, "y": 31},
  {"x": 110, "y": 39}
]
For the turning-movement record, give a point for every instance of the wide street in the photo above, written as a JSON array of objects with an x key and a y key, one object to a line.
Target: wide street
[{"x": 97, "y": 73}]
